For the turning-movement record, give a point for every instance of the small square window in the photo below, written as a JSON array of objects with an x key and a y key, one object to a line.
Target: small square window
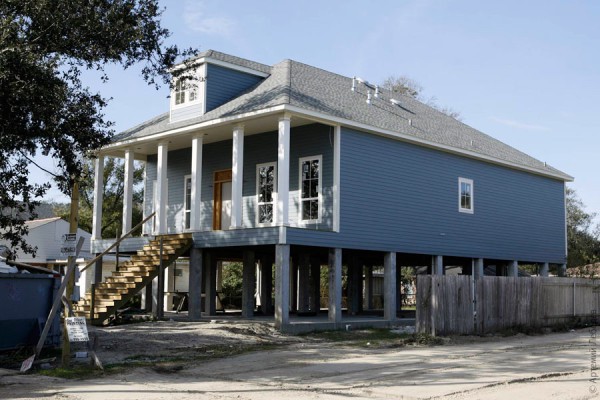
[{"x": 465, "y": 195}]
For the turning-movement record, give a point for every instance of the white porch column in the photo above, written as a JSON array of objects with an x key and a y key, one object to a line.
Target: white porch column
[
  {"x": 98, "y": 197},
  {"x": 283, "y": 172},
  {"x": 195, "y": 223},
  {"x": 336, "y": 177},
  {"x": 161, "y": 190},
  {"x": 128, "y": 192},
  {"x": 237, "y": 176}
]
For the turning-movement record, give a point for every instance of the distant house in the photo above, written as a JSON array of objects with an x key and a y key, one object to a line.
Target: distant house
[
  {"x": 293, "y": 165},
  {"x": 47, "y": 236}
]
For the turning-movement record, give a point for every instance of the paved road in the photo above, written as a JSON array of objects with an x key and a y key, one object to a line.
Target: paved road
[{"x": 554, "y": 366}]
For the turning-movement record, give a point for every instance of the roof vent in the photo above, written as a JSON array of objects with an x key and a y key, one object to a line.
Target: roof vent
[
  {"x": 395, "y": 102},
  {"x": 410, "y": 122},
  {"x": 369, "y": 96},
  {"x": 377, "y": 91},
  {"x": 353, "y": 84}
]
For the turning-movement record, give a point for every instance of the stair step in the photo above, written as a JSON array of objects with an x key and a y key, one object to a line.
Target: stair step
[
  {"x": 133, "y": 272},
  {"x": 118, "y": 285},
  {"x": 125, "y": 279}
]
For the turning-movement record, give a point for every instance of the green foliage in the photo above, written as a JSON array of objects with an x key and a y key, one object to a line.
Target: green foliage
[
  {"x": 113, "y": 194},
  {"x": 45, "y": 45},
  {"x": 583, "y": 238},
  {"x": 406, "y": 86},
  {"x": 232, "y": 283}
]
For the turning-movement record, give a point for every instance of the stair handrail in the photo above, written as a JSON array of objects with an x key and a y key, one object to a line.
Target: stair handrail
[{"x": 115, "y": 244}]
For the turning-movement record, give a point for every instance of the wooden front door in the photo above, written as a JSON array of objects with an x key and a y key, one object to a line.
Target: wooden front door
[{"x": 222, "y": 200}]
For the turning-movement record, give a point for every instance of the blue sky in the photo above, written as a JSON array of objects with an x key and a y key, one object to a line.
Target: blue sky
[{"x": 524, "y": 72}]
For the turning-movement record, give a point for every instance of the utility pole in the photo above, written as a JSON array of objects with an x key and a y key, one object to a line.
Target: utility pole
[{"x": 73, "y": 225}]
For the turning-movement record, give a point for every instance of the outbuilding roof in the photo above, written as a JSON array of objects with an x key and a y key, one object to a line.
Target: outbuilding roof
[{"x": 331, "y": 96}]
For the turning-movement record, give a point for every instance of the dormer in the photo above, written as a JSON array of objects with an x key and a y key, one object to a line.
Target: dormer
[{"x": 217, "y": 79}]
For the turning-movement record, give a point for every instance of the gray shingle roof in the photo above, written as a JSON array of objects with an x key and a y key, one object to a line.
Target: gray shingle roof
[{"x": 313, "y": 89}]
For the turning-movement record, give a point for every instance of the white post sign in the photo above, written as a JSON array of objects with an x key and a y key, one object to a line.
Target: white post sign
[
  {"x": 68, "y": 246},
  {"x": 77, "y": 329}
]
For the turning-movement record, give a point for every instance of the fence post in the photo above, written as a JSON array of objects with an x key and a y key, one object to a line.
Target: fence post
[{"x": 574, "y": 314}]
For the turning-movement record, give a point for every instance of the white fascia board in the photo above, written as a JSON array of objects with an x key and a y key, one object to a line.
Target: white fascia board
[
  {"x": 194, "y": 127},
  {"x": 236, "y": 67},
  {"x": 408, "y": 138}
]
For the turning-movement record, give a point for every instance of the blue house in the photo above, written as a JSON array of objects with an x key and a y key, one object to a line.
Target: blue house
[{"x": 297, "y": 167}]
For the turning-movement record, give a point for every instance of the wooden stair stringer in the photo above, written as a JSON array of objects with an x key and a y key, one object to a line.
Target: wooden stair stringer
[{"x": 129, "y": 279}]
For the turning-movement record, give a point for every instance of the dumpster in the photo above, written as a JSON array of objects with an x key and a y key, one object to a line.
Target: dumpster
[{"x": 25, "y": 302}]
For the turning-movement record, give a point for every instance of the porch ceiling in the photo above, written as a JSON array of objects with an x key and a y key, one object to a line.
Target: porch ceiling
[{"x": 180, "y": 140}]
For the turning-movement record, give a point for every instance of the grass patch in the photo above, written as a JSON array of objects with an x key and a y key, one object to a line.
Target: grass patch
[
  {"x": 73, "y": 372},
  {"x": 161, "y": 363}
]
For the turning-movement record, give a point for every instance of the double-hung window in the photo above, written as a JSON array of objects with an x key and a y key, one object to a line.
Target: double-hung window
[
  {"x": 186, "y": 91},
  {"x": 310, "y": 188},
  {"x": 465, "y": 195},
  {"x": 266, "y": 178}
]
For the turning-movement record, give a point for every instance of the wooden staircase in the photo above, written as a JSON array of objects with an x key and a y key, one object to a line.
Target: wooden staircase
[{"x": 131, "y": 277}]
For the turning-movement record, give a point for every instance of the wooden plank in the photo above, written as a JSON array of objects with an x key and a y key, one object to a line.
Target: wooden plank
[{"x": 58, "y": 298}]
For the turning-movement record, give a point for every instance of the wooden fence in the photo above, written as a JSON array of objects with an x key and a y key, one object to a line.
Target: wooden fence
[{"x": 457, "y": 304}]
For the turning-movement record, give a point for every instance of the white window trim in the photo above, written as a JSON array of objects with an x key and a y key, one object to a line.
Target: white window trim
[
  {"x": 460, "y": 207},
  {"x": 274, "y": 201},
  {"x": 185, "y": 211},
  {"x": 200, "y": 75},
  {"x": 305, "y": 222}
]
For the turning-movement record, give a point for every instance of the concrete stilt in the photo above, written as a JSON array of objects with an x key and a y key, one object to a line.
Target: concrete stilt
[
  {"x": 248, "y": 285},
  {"x": 398, "y": 287},
  {"x": 282, "y": 285},
  {"x": 438, "y": 266},
  {"x": 368, "y": 300},
  {"x": 219, "y": 283},
  {"x": 266, "y": 286},
  {"x": 478, "y": 272},
  {"x": 303, "y": 283},
  {"x": 195, "y": 285},
  {"x": 335, "y": 285},
  {"x": 147, "y": 298},
  {"x": 389, "y": 283},
  {"x": 315, "y": 284},
  {"x": 210, "y": 284},
  {"x": 293, "y": 285},
  {"x": 354, "y": 286},
  {"x": 562, "y": 270},
  {"x": 154, "y": 295},
  {"x": 169, "y": 286},
  {"x": 545, "y": 269},
  {"x": 97, "y": 278},
  {"x": 513, "y": 269}
]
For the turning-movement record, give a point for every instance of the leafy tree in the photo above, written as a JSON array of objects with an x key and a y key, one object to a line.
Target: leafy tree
[
  {"x": 404, "y": 85},
  {"x": 583, "y": 236},
  {"x": 113, "y": 194},
  {"x": 45, "y": 45}
]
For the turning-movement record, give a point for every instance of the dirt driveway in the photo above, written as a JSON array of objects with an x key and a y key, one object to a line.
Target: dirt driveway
[{"x": 175, "y": 361}]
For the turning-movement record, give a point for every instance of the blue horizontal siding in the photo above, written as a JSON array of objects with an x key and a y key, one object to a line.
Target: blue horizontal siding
[
  {"x": 402, "y": 197},
  {"x": 224, "y": 84}
]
